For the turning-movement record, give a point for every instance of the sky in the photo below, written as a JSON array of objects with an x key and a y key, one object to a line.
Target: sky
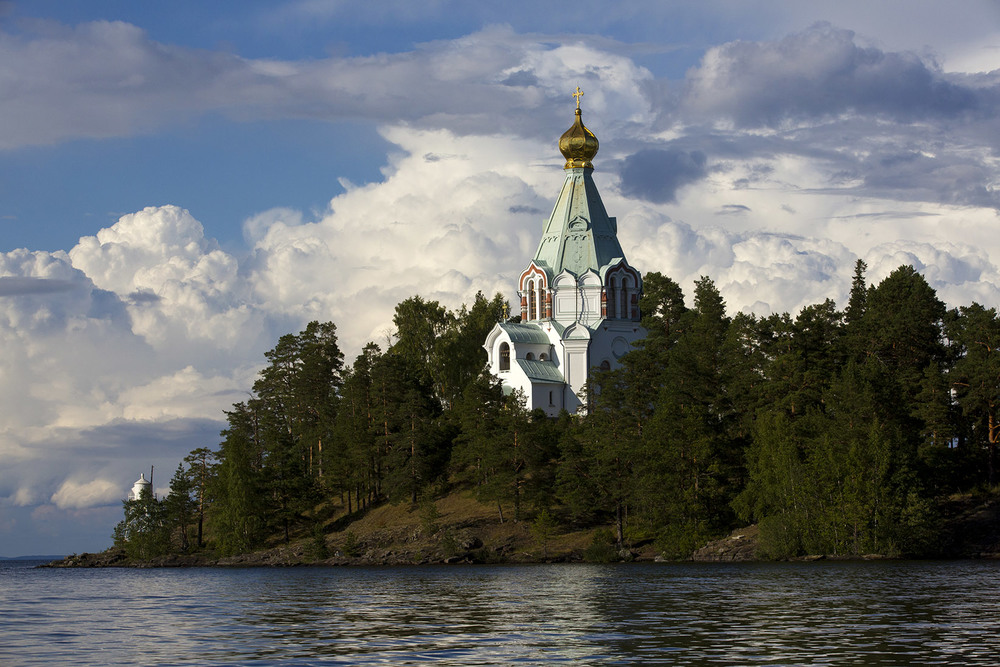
[{"x": 183, "y": 182}]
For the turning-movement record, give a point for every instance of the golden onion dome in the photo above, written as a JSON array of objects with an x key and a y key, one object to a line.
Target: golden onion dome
[{"x": 578, "y": 144}]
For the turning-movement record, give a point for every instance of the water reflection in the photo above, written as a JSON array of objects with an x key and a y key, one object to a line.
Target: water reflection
[{"x": 862, "y": 613}]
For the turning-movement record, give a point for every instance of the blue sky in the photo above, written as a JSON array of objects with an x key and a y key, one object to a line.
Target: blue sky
[{"x": 183, "y": 182}]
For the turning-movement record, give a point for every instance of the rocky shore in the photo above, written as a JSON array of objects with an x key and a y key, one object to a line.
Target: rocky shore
[{"x": 468, "y": 533}]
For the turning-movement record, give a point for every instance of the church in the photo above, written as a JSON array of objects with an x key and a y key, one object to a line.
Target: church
[{"x": 579, "y": 295}]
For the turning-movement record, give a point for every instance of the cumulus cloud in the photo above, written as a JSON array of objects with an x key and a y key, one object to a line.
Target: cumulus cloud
[{"x": 74, "y": 494}]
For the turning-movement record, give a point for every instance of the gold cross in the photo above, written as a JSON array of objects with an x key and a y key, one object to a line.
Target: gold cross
[
  {"x": 578, "y": 94},
  {"x": 506, "y": 311}
]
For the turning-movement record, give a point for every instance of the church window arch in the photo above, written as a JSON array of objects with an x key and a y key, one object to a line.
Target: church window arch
[
  {"x": 624, "y": 299},
  {"x": 612, "y": 286},
  {"x": 529, "y": 356},
  {"x": 531, "y": 299},
  {"x": 504, "y": 357},
  {"x": 605, "y": 365},
  {"x": 543, "y": 357}
]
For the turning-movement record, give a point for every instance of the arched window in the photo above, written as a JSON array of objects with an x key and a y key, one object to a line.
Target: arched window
[
  {"x": 605, "y": 365},
  {"x": 529, "y": 357},
  {"x": 610, "y": 291},
  {"x": 624, "y": 299},
  {"x": 504, "y": 357},
  {"x": 541, "y": 301},
  {"x": 543, "y": 357},
  {"x": 531, "y": 299}
]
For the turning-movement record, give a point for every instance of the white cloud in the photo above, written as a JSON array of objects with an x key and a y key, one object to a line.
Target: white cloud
[{"x": 74, "y": 495}]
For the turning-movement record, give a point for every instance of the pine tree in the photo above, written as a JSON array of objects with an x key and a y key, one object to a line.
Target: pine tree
[
  {"x": 976, "y": 379},
  {"x": 599, "y": 453},
  {"x": 143, "y": 533},
  {"x": 458, "y": 356},
  {"x": 201, "y": 474},
  {"x": 355, "y": 460},
  {"x": 179, "y": 507},
  {"x": 241, "y": 508},
  {"x": 491, "y": 449}
]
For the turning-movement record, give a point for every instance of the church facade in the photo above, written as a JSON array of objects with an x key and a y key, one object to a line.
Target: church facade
[{"x": 579, "y": 295}]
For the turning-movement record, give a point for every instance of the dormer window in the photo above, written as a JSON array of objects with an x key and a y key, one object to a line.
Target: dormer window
[
  {"x": 529, "y": 357},
  {"x": 504, "y": 357}
]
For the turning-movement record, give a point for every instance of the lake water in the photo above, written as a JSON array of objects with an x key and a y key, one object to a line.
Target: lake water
[{"x": 890, "y": 613}]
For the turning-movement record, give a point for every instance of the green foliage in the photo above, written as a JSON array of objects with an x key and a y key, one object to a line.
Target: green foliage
[
  {"x": 449, "y": 543},
  {"x": 780, "y": 537},
  {"x": 179, "y": 507},
  {"x": 241, "y": 508},
  {"x": 678, "y": 540},
  {"x": 201, "y": 474},
  {"x": 598, "y": 471},
  {"x": 976, "y": 381},
  {"x": 429, "y": 516},
  {"x": 144, "y": 532},
  {"x": 318, "y": 549},
  {"x": 542, "y": 529},
  {"x": 603, "y": 548},
  {"x": 351, "y": 546},
  {"x": 496, "y": 444},
  {"x": 835, "y": 431}
]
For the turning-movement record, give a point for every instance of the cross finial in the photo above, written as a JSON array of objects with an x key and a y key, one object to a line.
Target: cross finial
[
  {"x": 506, "y": 311},
  {"x": 578, "y": 94}
]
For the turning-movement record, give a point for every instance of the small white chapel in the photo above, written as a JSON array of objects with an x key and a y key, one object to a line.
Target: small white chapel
[{"x": 579, "y": 295}]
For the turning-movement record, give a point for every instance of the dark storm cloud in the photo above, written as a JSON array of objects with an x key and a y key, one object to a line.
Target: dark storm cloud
[
  {"x": 19, "y": 286},
  {"x": 916, "y": 175},
  {"x": 820, "y": 72},
  {"x": 656, "y": 175},
  {"x": 171, "y": 436}
]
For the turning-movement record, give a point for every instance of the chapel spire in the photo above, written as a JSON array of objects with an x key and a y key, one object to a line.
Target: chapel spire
[{"x": 578, "y": 144}]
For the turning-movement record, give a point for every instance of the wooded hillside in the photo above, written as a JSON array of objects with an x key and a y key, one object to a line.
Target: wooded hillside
[{"x": 838, "y": 432}]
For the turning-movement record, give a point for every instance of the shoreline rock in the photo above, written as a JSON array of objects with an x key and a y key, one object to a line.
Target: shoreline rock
[{"x": 740, "y": 546}]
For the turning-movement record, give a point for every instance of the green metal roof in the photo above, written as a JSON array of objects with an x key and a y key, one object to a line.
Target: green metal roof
[
  {"x": 525, "y": 333},
  {"x": 579, "y": 235},
  {"x": 541, "y": 371}
]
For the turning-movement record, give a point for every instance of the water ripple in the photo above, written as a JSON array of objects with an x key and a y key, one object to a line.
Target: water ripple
[{"x": 775, "y": 614}]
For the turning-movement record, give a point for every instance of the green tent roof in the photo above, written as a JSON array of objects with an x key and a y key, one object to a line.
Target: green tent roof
[{"x": 579, "y": 235}]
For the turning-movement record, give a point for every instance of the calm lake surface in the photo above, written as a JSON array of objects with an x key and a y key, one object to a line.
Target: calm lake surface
[{"x": 865, "y": 613}]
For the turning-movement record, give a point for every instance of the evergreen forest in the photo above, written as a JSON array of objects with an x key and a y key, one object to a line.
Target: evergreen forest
[{"x": 837, "y": 432}]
